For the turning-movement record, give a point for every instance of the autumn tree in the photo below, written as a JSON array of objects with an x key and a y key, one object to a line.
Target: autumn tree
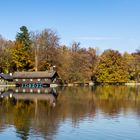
[
  {"x": 133, "y": 62},
  {"x": 93, "y": 58},
  {"x": 45, "y": 50},
  {"x": 111, "y": 68},
  {"x": 130, "y": 61},
  {"x": 22, "y": 54},
  {"x": 2, "y": 45},
  {"x": 64, "y": 58},
  {"x": 136, "y": 66},
  {"x": 80, "y": 63},
  {"x": 75, "y": 63},
  {"x": 5, "y": 56}
]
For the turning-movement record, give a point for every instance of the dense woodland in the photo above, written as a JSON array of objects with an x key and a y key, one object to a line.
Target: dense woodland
[{"x": 39, "y": 51}]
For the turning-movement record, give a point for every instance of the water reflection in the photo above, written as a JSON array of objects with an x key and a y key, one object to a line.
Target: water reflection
[
  {"x": 34, "y": 94},
  {"x": 38, "y": 119},
  {"x": 25, "y": 110}
]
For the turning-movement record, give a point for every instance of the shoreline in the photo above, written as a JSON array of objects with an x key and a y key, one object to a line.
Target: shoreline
[{"x": 80, "y": 84}]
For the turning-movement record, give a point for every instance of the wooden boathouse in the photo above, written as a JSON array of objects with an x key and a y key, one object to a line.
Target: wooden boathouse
[{"x": 35, "y": 79}]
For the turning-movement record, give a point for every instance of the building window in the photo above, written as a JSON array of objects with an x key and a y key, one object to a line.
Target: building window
[
  {"x": 38, "y": 91},
  {"x": 1, "y": 80},
  {"x": 24, "y": 90},
  {"x": 46, "y": 91},
  {"x": 31, "y": 90},
  {"x": 16, "y": 90}
]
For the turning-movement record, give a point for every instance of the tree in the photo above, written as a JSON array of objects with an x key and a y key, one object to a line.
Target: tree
[
  {"x": 2, "y": 46},
  {"x": 136, "y": 66},
  {"x": 111, "y": 67},
  {"x": 64, "y": 58},
  {"x": 22, "y": 54},
  {"x": 24, "y": 37},
  {"x": 133, "y": 62},
  {"x": 80, "y": 64},
  {"x": 132, "y": 65},
  {"x": 93, "y": 58},
  {"x": 5, "y": 55},
  {"x": 45, "y": 46}
]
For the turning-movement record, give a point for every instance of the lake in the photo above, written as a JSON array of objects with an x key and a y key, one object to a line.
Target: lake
[{"x": 78, "y": 113}]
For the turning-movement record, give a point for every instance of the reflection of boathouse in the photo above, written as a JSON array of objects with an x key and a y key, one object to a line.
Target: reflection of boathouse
[
  {"x": 35, "y": 79},
  {"x": 44, "y": 94}
]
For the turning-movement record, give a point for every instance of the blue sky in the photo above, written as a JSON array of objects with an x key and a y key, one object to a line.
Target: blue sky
[{"x": 105, "y": 24}]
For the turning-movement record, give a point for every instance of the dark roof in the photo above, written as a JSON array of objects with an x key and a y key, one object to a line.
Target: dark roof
[
  {"x": 6, "y": 76},
  {"x": 39, "y": 74}
]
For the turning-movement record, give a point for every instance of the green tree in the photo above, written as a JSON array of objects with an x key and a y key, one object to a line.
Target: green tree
[
  {"x": 111, "y": 68},
  {"x": 24, "y": 37}
]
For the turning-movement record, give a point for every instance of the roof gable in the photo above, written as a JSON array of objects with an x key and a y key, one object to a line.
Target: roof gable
[{"x": 6, "y": 76}]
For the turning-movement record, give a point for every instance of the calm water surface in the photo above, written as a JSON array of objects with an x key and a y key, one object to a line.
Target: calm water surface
[{"x": 80, "y": 113}]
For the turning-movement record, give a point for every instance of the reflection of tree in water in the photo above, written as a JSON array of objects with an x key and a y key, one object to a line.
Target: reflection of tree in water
[
  {"x": 6, "y": 117},
  {"x": 22, "y": 114},
  {"x": 45, "y": 122},
  {"x": 111, "y": 100},
  {"x": 74, "y": 103},
  {"x": 26, "y": 120}
]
